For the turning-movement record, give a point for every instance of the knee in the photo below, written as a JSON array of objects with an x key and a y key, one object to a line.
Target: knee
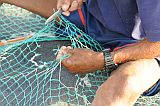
[
  {"x": 126, "y": 83},
  {"x": 129, "y": 81},
  {"x": 119, "y": 87}
]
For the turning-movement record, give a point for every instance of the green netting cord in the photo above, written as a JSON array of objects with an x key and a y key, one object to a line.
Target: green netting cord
[{"x": 29, "y": 73}]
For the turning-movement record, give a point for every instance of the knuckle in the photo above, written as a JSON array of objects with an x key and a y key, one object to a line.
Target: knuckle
[
  {"x": 66, "y": 13},
  {"x": 67, "y": 63},
  {"x": 69, "y": 47},
  {"x": 63, "y": 47}
]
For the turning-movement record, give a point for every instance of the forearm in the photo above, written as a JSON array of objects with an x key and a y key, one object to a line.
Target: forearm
[
  {"x": 141, "y": 50},
  {"x": 41, "y": 7}
]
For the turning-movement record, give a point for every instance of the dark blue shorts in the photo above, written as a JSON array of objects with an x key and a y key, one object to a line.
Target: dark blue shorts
[{"x": 83, "y": 20}]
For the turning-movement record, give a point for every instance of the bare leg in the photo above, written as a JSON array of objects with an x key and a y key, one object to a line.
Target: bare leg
[
  {"x": 41, "y": 7},
  {"x": 127, "y": 83}
]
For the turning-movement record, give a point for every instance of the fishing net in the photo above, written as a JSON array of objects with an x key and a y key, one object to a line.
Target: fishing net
[{"x": 29, "y": 73}]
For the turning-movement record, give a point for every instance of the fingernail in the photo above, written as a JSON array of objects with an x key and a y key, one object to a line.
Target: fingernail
[
  {"x": 75, "y": 3},
  {"x": 63, "y": 47}
]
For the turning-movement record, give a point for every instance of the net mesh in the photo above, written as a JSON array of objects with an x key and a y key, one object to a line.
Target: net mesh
[{"x": 29, "y": 73}]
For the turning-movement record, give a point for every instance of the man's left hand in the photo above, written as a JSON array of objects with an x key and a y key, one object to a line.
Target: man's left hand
[{"x": 81, "y": 60}]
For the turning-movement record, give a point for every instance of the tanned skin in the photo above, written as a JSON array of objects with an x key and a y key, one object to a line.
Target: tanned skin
[
  {"x": 138, "y": 70},
  {"x": 41, "y": 7},
  {"x": 46, "y": 8},
  {"x": 141, "y": 50}
]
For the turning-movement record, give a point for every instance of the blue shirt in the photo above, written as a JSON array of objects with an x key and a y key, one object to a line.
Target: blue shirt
[{"x": 124, "y": 19}]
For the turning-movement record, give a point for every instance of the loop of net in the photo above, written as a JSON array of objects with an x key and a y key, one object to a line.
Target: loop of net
[{"x": 29, "y": 73}]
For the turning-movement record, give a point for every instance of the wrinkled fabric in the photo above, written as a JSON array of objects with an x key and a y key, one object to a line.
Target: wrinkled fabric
[{"x": 119, "y": 18}]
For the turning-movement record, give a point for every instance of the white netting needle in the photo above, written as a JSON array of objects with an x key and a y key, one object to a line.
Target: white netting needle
[{"x": 54, "y": 15}]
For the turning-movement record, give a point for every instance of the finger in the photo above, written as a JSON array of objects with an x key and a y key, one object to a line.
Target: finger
[
  {"x": 67, "y": 13},
  {"x": 63, "y": 47},
  {"x": 66, "y": 5},
  {"x": 74, "y": 5},
  {"x": 59, "y": 4},
  {"x": 80, "y": 2},
  {"x": 69, "y": 47},
  {"x": 60, "y": 53},
  {"x": 68, "y": 51}
]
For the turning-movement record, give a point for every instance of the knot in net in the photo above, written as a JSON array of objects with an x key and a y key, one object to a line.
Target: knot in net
[{"x": 29, "y": 73}]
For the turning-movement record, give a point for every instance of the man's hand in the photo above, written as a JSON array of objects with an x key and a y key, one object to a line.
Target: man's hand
[
  {"x": 1, "y": 2},
  {"x": 81, "y": 60},
  {"x": 69, "y": 5}
]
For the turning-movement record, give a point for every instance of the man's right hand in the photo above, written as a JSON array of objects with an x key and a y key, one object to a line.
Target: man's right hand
[{"x": 69, "y": 5}]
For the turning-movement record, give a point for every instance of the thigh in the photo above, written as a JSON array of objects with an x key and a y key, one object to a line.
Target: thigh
[
  {"x": 128, "y": 82},
  {"x": 143, "y": 73}
]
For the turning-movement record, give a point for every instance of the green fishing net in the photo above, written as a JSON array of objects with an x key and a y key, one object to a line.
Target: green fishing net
[{"x": 29, "y": 73}]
